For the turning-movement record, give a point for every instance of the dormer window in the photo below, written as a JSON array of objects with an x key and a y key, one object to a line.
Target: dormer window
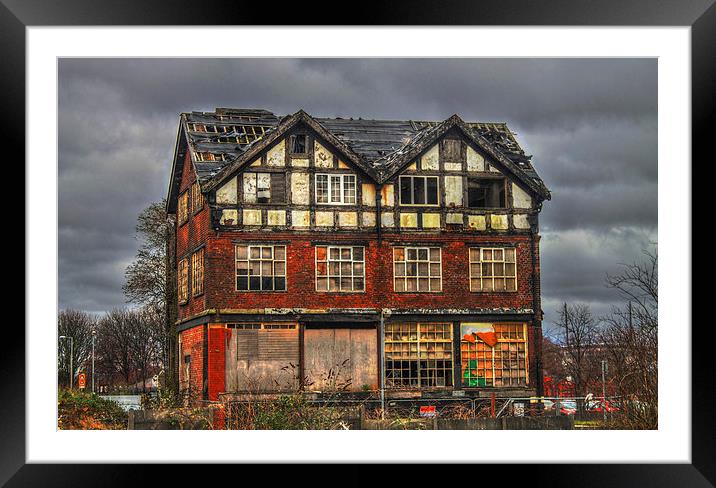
[
  {"x": 299, "y": 144},
  {"x": 339, "y": 189}
]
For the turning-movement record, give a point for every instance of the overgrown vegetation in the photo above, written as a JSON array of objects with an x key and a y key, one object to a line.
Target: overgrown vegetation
[{"x": 77, "y": 410}]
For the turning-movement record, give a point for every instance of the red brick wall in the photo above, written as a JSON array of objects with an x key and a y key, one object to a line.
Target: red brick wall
[
  {"x": 192, "y": 342},
  {"x": 217, "y": 358},
  {"x": 379, "y": 292},
  {"x": 189, "y": 236}
]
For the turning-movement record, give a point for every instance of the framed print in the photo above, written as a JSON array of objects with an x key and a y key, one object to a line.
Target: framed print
[{"x": 327, "y": 229}]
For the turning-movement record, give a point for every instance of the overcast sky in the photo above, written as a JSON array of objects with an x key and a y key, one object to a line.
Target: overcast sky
[{"x": 591, "y": 125}]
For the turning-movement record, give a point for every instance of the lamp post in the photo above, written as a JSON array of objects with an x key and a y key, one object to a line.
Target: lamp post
[
  {"x": 94, "y": 334},
  {"x": 71, "y": 354}
]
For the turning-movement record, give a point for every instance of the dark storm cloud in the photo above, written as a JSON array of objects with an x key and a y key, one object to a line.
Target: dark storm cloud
[{"x": 590, "y": 123}]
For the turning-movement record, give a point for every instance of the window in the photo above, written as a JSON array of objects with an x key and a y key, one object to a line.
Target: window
[
  {"x": 418, "y": 190},
  {"x": 417, "y": 269},
  {"x": 260, "y": 268},
  {"x": 299, "y": 144},
  {"x": 264, "y": 187},
  {"x": 452, "y": 150},
  {"x": 493, "y": 269},
  {"x": 197, "y": 198},
  {"x": 486, "y": 192},
  {"x": 264, "y": 326},
  {"x": 183, "y": 280},
  {"x": 340, "y": 268},
  {"x": 493, "y": 354},
  {"x": 183, "y": 208},
  {"x": 197, "y": 272},
  {"x": 418, "y": 355},
  {"x": 210, "y": 156},
  {"x": 336, "y": 189}
]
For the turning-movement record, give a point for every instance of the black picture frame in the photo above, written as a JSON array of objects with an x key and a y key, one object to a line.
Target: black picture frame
[{"x": 16, "y": 15}]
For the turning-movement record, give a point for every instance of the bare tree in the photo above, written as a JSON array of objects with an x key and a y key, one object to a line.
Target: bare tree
[
  {"x": 114, "y": 344},
  {"x": 580, "y": 339},
  {"x": 147, "y": 333},
  {"x": 146, "y": 278},
  {"x": 630, "y": 335},
  {"x": 77, "y": 325}
]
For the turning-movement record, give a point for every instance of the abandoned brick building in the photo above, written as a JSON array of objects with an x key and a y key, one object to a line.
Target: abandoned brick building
[{"x": 310, "y": 251}]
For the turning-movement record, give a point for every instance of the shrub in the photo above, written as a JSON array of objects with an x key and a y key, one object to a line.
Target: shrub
[{"x": 77, "y": 410}]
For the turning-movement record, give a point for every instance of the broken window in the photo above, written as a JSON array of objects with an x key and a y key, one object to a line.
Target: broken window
[
  {"x": 183, "y": 208},
  {"x": 336, "y": 189},
  {"x": 260, "y": 268},
  {"x": 210, "y": 156},
  {"x": 197, "y": 198},
  {"x": 340, "y": 268},
  {"x": 418, "y": 355},
  {"x": 264, "y": 187},
  {"x": 452, "y": 150},
  {"x": 417, "y": 269},
  {"x": 183, "y": 280},
  {"x": 486, "y": 192},
  {"x": 418, "y": 190},
  {"x": 493, "y": 269},
  {"x": 197, "y": 272},
  {"x": 493, "y": 354},
  {"x": 299, "y": 144}
]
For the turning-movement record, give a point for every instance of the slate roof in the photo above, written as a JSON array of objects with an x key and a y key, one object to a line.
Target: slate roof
[{"x": 381, "y": 145}]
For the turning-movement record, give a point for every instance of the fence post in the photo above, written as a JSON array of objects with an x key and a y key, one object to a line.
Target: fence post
[
  {"x": 130, "y": 420},
  {"x": 493, "y": 400}
]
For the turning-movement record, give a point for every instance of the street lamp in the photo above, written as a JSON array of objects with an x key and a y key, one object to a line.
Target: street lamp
[
  {"x": 94, "y": 334},
  {"x": 71, "y": 354}
]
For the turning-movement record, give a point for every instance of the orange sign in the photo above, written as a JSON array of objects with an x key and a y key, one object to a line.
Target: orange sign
[{"x": 82, "y": 380}]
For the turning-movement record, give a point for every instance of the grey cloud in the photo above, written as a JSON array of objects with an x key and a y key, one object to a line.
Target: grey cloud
[{"x": 590, "y": 123}]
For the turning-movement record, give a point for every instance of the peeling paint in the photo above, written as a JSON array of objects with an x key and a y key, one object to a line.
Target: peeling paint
[
  {"x": 430, "y": 159},
  {"x": 276, "y": 217},
  {"x": 348, "y": 219},
  {"x": 322, "y": 157},
  {"x": 324, "y": 219},
  {"x": 249, "y": 188},
  {"x": 521, "y": 221},
  {"x": 299, "y": 162},
  {"x": 453, "y": 191},
  {"x": 387, "y": 219},
  {"x": 453, "y": 166},
  {"x": 368, "y": 190},
  {"x": 475, "y": 161},
  {"x": 301, "y": 218},
  {"x": 229, "y": 216},
  {"x": 454, "y": 218},
  {"x": 520, "y": 198},
  {"x": 252, "y": 217},
  {"x": 276, "y": 156},
  {"x": 408, "y": 219},
  {"x": 431, "y": 220},
  {"x": 476, "y": 222},
  {"x": 498, "y": 222},
  {"x": 368, "y": 219},
  {"x": 387, "y": 195},
  {"x": 227, "y": 193},
  {"x": 300, "y": 194}
]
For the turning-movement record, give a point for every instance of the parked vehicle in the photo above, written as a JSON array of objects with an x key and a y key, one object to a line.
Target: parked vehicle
[
  {"x": 599, "y": 406},
  {"x": 568, "y": 407}
]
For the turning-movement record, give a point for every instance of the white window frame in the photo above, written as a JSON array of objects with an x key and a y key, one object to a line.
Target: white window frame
[
  {"x": 405, "y": 276},
  {"x": 328, "y": 275},
  {"x": 400, "y": 193},
  {"x": 273, "y": 260},
  {"x": 342, "y": 177},
  {"x": 504, "y": 276}
]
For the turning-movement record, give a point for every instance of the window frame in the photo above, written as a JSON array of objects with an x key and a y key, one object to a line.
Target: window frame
[
  {"x": 502, "y": 359},
  {"x": 416, "y": 354},
  {"x": 260, "y": 260},
  {"x": 183, "y": 281},
  {"x": 198, "y": 290},
  {"x": 183, "y": 207},
  {"x": 256, "y": 185},
  {"x": 417, "y": 262},
  {"x": 504, "y": 262},
  {"x": 329, "y": 188},
  {"x": 196, "y": 195},
  {"x": 291, "y": 139},
  {"x": 412, "y": 191},
  {"x": 486, "y": 178},
  {"x": 328, "y": 275}
]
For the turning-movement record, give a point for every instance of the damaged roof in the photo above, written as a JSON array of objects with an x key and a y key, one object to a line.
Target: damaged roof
[{"x": 223, "y": 140}]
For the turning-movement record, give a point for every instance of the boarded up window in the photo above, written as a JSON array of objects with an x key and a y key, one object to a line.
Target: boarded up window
[
  {"x": 197, "y": 198},
  {"x": 262, "y": 357},
  {"x": 197, "y": 272},
  {"x": 264, "y": 187},
  {"x": 493, "y": 269},
  {"x": 493, "y": 354},
  {"x": 183, "y": 280},
  {"x": 417, "y": 269},
  {"x": 418, "y": 355},
  {"x": 183, "y": 208},
  {"x": 341, "y": 359},
  {"x": 486, "y": 192},
  {"x": 260, "y": 268},
  {"x": 452, "y": 150}
]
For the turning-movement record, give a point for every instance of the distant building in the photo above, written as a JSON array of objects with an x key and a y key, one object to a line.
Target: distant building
[{"x": 307, "y": 246}]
